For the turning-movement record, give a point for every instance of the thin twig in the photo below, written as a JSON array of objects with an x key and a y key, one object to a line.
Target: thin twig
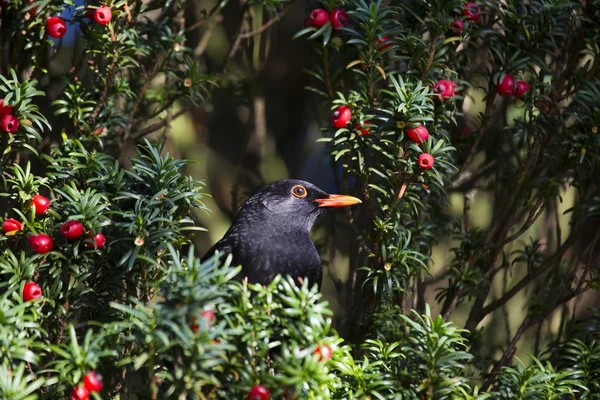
[
  {"x": 538, "y": 210},
  {"x": 237, "y": 40},
  {"x": 104, "y": 96},
  {"x": 432, "y": 48},
  {"x": 158, "y": 125},
  {"x": 266, "y": 25},
  {"x": 527, "y": 322},
  {"x": 555, "y": 258},
  {"x": 167, "y": 129},
  {"x": 203, "y": 43},
  {"x": 327, "y": 74}
]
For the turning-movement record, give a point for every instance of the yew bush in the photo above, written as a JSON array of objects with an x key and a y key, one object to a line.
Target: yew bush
[{"x": 102, "y": 294}]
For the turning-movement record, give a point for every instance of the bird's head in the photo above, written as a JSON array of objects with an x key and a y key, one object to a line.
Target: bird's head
[{"x": 299, "y": 202}]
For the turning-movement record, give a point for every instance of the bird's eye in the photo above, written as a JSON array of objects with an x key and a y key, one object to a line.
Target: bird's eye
[{"x": 299, "y": 191}]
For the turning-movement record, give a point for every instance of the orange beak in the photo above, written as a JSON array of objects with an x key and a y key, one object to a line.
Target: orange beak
[{"x": 337, "y": 200}]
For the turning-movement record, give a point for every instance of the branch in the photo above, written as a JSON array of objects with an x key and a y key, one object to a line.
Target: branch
[
  {"x": 527, "y": 322},
  {"x": 327, "y": 74},
  {"x": 267, "y": 24},
  {"x": 556, "y": 257},
  {"x": 432, "y": 48},
  {"x": 538, "y": 210},
  {"x": 107, "y": 87},
  {"x": 159, "y": 125},
  {"x": 241, "y": 35},
  {"x": 489, "y": 106}
]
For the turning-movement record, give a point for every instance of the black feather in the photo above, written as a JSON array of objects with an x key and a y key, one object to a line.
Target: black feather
[{"x": 271, "y": 234}]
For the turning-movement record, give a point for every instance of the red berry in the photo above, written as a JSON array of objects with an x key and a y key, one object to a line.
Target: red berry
[
  {"x": 97, "y": 241},
  {"x": 11, "y": 225},
  {"x": 319, "y": 17},
  {"x": 71, "y": 229},
  {"x": 445, "y": 88},
  {"x": 418, "y": 134},
  {"x": 341, "y": 116},
  {"x": 383, "y": 43},
  {"x": 9, "y": 123},
  {"x": 40, "y": 244},
  {"x": 258, "y": 392},
  {"x": 40, "y": 204},
  {"x": 208, "y": 316},
  {"x": 506, "y": 86},
  {"x": 323, "y": 352},
  {"x": 339, "y": 19},
  {"x": 426, "y": 161},
  {"x": 93, "y": 381},
  {"x": 31, "y": 291},
  {"x": 102, "y": 15},
  {"x": 5, "y": 109},
  {"x": 363, "y": 131},
  {"x": 522, "y": 88},
  {"x": 80, "y": 393},
  {"x": 457, "y": 26},
  {"x": 56, "y": 27},
  {"x": 472, "y": 11}
]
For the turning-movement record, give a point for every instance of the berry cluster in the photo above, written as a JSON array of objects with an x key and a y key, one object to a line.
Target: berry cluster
[
  {"x": 341, "y": 117},
  {"x": 506, "y": 87},
  {"x": 8, "y": 122},
  {"x": 323, "y": 353},
  {"x": 319, "y": 17},
  {"x": 418, "y": 135},
  {"x": 92, "y": 382},
  {"x": 471, "y": 12},
  {"x": 57, "y": 28},
  {"x": 42, "y": 243}
]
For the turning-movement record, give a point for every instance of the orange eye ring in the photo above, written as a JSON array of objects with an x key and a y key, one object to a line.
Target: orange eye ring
[{"x": 299, "y": 191}]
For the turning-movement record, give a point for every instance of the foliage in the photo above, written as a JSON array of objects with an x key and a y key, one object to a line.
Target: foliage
[{"x": 158, "y": 323}]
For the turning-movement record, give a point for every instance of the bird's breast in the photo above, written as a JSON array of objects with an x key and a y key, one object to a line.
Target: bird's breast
[{"x": 267, "y": 253}]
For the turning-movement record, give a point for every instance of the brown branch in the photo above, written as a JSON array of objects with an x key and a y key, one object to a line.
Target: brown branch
[
  {"x": 241, "y": 35},
  {"x": 588, "y": 265},
  {"x": 538, "y": 210},
  {"x": 469, "y": 179},
  {"x": 489, "y": 106},
  {"x": 266, "y": 25},
  {"x": 158, "y": 125},
  {"x": 466, "y": 209},
  {"x": 527, "y": 322},
  {"x": 327, "y": 73},
  {"x": 432, "y": 49},
  {"x": 504, "y": 308},
  {"x": 104, "y": 96},
  {"x": 497, "y": 236},
  {"x": 168, "y": 121},
  {"x": 148, "y": 78},
  {"x": 205, "y": 39},
  {"x": 509, "y": 352},
  {"x": 557, "y": 222},
  {"x": 237, "y": 40},
  {"x": 555, "y": 258}
]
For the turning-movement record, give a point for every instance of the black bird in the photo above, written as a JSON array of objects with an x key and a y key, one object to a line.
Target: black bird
[{"x": 271, "y": 233}]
